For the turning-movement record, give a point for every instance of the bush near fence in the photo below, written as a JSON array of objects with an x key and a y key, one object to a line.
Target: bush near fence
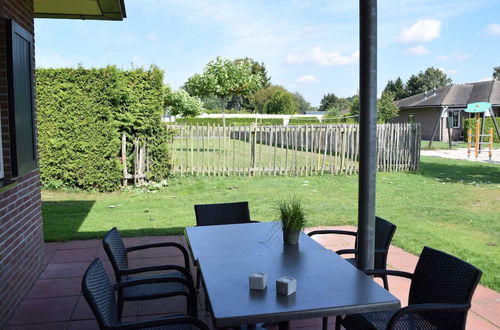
[
  {"x": 487, "y": 125},
  {"x": 81, "y": 116}
]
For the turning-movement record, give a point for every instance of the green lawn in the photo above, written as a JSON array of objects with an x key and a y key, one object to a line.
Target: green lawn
[
  {"x": 450, "y": 205},
  {"x": 445, "y": 145}
]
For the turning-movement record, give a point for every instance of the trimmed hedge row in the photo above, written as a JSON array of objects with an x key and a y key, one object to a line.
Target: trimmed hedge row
[
  {"x": 487, "y": 125},
  {"x": 229, "y": 121},
  {"x": 81, "y": 115}
]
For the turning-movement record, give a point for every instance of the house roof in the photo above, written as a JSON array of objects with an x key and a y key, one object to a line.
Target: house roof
[
  {"x": 113, "y": 10},
  {"x": 455, "y": 96}
]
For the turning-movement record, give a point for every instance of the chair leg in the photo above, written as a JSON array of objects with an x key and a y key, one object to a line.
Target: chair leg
[
  {"x": 192, "y": 305},
  {"x": 386, "y": 282},
  {"x": 325, "y": 323},
  {"x": 120, "y": 307},
  {"x": 338, "y": 320}
]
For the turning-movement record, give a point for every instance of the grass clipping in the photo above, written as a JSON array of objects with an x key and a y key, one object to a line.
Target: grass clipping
[{"x": 291, "y": 214}]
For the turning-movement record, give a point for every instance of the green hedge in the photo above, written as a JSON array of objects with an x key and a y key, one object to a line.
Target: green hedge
[
  {"x": 487, "y": 125},
  {"x": 305, "y": 121},
  {"x": 229, "y": 121},
  {"x": 81, "y": 115}
]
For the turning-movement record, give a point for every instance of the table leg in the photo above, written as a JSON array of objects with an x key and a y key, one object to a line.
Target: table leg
[{"x": 284, "y": 325}]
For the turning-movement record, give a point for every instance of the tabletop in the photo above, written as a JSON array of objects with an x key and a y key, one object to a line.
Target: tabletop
[
  {"x": 327, "y": 285},
  {"x": 259, "y": 238}
]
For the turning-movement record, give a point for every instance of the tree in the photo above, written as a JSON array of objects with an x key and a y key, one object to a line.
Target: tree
[
  {"x": 496, "y": 73},
  {"x": 257, "y": 68},
  {"x": 354, "y": 108},
  {"x": 426, "y": 81},
  {"x": 302, "y": 104},
  {"x": 259, "y": 99},
  {"x": 281, "y": 102},
  {"x": 332, "y": 101},
  {"x": 181, "y": 103},
  {"x": 225, "y": 78},
  {"x": 386, "y": 107},
  {"x": 397, "y": 88}
]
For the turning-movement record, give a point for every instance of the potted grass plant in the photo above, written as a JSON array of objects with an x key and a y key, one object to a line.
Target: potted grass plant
[{"x": 292, "y": 217}]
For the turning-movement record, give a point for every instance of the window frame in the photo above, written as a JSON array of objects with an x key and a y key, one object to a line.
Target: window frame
[
  {"x": 412, "y": 118},
  {"x": 452, "y": 116}
]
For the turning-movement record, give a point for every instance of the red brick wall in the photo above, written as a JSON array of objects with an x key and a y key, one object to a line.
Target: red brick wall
[{"x": 21, "y": 235}]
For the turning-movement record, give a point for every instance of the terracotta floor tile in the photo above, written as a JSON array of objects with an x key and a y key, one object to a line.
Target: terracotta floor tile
[
  {"x": 43, "y": 310},
  {"x": 38, "y": 326},
  {"x": 61, "y": 256},
  {"x": 64, "y": 270},
  {"x": 83, "y": 325},
  {"x": 55, "y": 288},
  {"x": 82, "y": 310},
  {"x": 83, "y": 244},
  {"x": 162, "y": 306}
]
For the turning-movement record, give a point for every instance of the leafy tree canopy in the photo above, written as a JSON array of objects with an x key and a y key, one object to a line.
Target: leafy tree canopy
[
  {"x": 257, "y": 68},
  {"x": 397, "y": 87},
  {"x": 282, "y": 102},
  {"x": 386, "y": 107},
  {"x": 262, "y": 96},
  {"x": 426, "y": 81},
  {"x": 496, "y": 73},
  {"x": 302, "y": 104},
  {"x": 330, "y": 101},
  {"x": 225, "y": 78},
  {"x": 180, "y": 103}
]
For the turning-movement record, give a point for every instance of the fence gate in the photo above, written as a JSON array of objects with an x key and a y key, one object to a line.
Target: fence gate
[{"x": 288, "y": 150}]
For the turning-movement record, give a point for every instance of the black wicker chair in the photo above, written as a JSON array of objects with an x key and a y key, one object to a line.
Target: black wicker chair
[
  {"x": 222, "y": 214},
  {"x": 384, "y": 231},
  {"x": 117, "y": 254},
  {"x": 100, "y": 295},
  {"x": 440, "y": 294}
]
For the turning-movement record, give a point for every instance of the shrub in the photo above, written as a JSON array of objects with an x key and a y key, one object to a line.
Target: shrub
[
  {"x": 487, "y": 125},
  {"x": 281, "y": 102},
  {"x": 81, "y": 116},
  {"x": 229, "y": 121}
]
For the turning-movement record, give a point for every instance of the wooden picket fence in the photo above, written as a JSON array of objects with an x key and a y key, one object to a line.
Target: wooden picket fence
[{"x": 288, "y": 150}]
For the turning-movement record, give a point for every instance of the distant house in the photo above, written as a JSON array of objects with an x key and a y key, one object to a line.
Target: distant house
[{"x": 425, "y": 108}]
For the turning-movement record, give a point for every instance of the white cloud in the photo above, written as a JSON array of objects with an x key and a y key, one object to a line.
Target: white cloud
[
  {"x": 418, "y": 50},
  {"x": 453, "y": 71},
  {"x": 493, "y": 29},
  {"x": 152, "y": 36},
  {"x": 456, "y": 56},
  {"x": 307, "y": 79},
  {"x": 322, "y": 58},
  {"x": 422, "y": 31},
  {"x": 486, "y": 79}
]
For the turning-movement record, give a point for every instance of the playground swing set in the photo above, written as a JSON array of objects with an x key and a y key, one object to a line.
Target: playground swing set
[{"x": 477, "y": 140}]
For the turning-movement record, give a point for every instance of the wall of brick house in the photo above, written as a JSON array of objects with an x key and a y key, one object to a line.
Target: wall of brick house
[{"x": 21, "y": 234}]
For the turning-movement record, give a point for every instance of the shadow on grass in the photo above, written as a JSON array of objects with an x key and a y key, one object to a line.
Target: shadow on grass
[
  {"x": 63, "y": 220},
  {"x": 460, "y": 171}
]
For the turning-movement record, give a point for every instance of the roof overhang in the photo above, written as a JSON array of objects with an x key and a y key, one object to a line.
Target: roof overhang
[{"x": 112, "y": 10}]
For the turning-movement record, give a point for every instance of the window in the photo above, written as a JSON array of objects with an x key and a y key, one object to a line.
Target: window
[
  {"x": 411, "y": 118},
  {"x": 21, "y": 100},
  {"x": 454, "y": 119}
]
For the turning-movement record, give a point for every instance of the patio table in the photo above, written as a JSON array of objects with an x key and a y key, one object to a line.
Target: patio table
[{"x": 327, "y": 285}]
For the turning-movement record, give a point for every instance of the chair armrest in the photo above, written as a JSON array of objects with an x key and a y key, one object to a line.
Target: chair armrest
[
  {"x": 165, "y": 244},
  {"x": 173, "y": 320},
  {"x": 419, "y": 308},
  {"x": 139, "y": 270},
  {"x": 382, "y": 272},
  {"x": 153, "y": 280},
  {"x": 337, "y": 232},
  {"x": 347, "y": 251}
]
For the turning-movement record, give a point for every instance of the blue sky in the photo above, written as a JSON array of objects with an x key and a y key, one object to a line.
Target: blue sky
[{"x": 309, "y": 46}]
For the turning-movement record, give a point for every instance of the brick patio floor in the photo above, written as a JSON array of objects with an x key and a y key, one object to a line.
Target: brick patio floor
[{"x": 55, "y": 301}]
